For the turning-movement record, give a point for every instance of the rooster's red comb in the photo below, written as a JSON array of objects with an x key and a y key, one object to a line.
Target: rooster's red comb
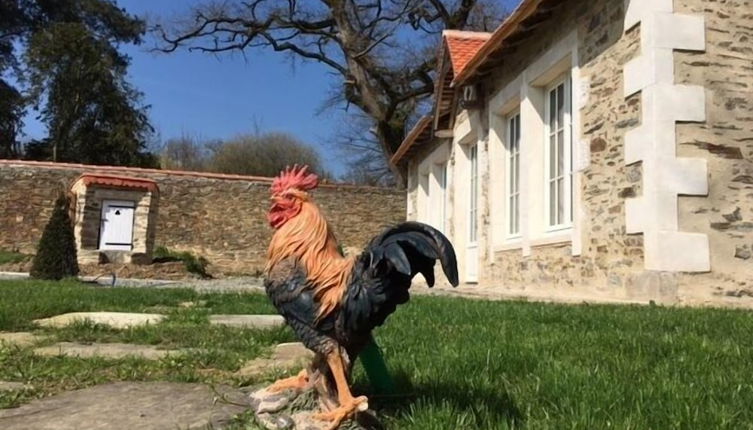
[{"x": 294, "y": 177}]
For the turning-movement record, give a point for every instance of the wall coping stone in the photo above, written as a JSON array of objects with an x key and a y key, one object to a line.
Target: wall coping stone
[{"x": 136, "y": 170}]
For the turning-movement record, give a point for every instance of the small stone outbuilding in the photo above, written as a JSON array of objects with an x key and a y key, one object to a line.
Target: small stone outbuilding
[{"x": 114, "y": 218}]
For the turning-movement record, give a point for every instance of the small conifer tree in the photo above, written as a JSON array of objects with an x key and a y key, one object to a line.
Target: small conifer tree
[{"x": 56, "y": 253}]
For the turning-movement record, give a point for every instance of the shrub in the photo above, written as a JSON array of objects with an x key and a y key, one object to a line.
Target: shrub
[
  {"x": 56, "y": 253},
  {"x": 197, "y": 265}
]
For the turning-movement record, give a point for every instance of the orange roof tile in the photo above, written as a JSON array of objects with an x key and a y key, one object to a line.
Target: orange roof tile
[
  {"x": 462, "y": 46},
  {"x": 512, "y": 24}
]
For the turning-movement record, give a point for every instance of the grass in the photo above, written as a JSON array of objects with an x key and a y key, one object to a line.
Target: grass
[
  {"x": 458, "y": 364},
  {"x": 491, "y": 365},
  {"x": 10, "y": 257},
  {"x": 21, "y": 302},
  {"x": 215, "y": 352}
]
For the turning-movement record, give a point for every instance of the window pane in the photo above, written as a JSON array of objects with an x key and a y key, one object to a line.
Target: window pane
[
  {"x": 552, "y": 203},
  {"x": 552, "y": 109},
  {"x": 560, "y": 105},
  {"x": 513, "y": 173},
  {"x": 560, "y": 200},
  {"x": 559, "y": 170},
  {"x": 511, "y": 225},
  {"x": 560, "y": 153},
  {"x": 473, "y": 158},
  {"x": 552, "y": 155}
]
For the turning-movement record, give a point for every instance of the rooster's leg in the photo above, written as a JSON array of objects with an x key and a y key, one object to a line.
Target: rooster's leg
[
  {"x": 298, "y": 382},
  {"x": 349, "y": 405}
]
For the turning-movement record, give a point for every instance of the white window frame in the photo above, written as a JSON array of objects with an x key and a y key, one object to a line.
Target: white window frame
[
  {"x": 437, "y": 212},
  {"x": 424, "y": 203},
  {"x": 567, "y": 174},
  {"x": 473, "y": 188},
  {"x": 433, "y": 181},
  {"x": 443, "y": 183},
  {"x": 527, "y": 91},
  {"x": 512, "y": 194}
]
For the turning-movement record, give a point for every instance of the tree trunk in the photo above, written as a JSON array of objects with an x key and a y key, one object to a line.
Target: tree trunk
[{"x": 390, "y": 138}]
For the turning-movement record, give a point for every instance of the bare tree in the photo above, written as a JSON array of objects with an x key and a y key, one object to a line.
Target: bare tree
[
  {"x": 381, "y": 50},
  {"x": 358, "y": 143},
  {"x": 184, "y": 153}
]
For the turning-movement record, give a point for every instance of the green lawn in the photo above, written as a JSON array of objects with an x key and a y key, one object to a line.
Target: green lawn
[
  {"x": 217, "y": 351},
  {"x": 458, "y": 363}
]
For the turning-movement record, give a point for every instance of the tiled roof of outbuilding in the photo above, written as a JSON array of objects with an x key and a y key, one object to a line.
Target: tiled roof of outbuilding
[{"x": 118, "y": 181}]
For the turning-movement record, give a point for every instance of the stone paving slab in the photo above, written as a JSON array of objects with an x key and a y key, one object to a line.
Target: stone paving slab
[
  {"x": 285, "y": 357},
  {"x": 248, "y": 321},
  {"x": 128, "y": 406},
  {"x": 118, "y": 320},
  {"x": 21, "y": 338},
  {"x": 104, "y": 350}
]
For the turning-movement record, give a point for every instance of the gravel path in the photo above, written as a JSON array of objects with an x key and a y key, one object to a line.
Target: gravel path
[
  {"x": 235, "y": 284},
  {"x": 250, "y": 283}
]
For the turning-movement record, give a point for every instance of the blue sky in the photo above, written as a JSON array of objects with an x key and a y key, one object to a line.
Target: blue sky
[{"x": 221, "y": 96}]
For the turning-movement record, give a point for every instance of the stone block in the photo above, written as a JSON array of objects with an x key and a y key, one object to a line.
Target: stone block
[
  {"x": 248, "y": 321},
  {"x": 119, "y": 320}
]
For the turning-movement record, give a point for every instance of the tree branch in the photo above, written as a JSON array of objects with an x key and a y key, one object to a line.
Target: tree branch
[{"x": 363, "y": 41}]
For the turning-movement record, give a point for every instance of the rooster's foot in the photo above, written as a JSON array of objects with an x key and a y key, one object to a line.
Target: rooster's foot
[
  {"x": 345, "y": 411},
  {"x": 298, "y": 383}
]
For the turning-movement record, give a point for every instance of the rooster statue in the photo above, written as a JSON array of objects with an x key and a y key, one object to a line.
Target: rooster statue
[{"x": 333, "y": 302}]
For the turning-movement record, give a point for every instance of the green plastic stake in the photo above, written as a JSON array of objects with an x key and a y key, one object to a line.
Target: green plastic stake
[{"x": 376, "y": 369}]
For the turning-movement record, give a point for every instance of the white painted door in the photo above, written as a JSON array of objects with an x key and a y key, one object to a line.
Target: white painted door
[
  {"x": 116, "y": 231},
  {"x": 471, "y": 263}
]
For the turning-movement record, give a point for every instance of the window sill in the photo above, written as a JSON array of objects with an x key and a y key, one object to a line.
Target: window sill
[
  {"x": 555, "y": 237},
  {"x": 508, "y": 245},
  {"x": 556, "y": 229}
]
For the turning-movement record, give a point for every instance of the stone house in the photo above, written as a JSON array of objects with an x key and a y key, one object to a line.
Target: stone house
[{"x": 596, "y": 150}]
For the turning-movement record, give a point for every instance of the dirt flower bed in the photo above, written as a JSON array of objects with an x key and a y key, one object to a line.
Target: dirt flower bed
[
  {"x": 20, "y": 266},
  {"x": 168, "y": 270}
]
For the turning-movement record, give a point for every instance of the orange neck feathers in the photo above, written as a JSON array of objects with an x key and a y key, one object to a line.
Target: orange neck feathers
[{"x": 308, "y": 237}]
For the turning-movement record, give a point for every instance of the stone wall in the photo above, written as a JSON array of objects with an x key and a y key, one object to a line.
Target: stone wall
[
  {"x": 608, "y": 258},
  {"x": 725, "y": 141},
  {"x": 220, "y": 217}
]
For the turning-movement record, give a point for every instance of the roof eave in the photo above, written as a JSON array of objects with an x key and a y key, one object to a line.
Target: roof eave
[
  {"x": 410, "y": 139},
  {"x": 526, "y": 9}
]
